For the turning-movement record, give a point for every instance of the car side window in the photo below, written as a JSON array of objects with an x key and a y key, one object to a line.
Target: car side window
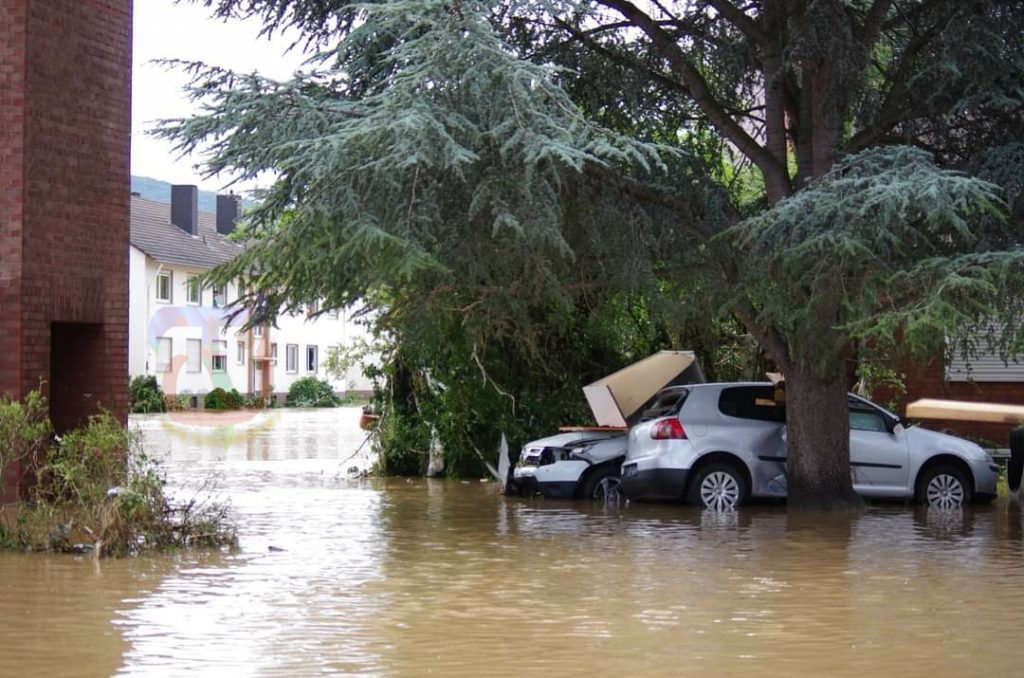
[
  {"x": 752, "y": 402},
  {"x": 866, "y": 419}
]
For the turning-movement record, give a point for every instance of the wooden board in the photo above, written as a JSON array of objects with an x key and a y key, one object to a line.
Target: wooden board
[{"x": 958, "y": 410}]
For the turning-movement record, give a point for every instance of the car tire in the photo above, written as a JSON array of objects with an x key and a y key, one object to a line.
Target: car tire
[
  {"x": 718, "y": 487},
  {"x": 943, "y": 486},
  {"x": 604, "y": 484}
]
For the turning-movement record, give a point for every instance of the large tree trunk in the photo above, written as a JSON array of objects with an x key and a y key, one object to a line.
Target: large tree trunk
[{"x": 818, "y": 443}]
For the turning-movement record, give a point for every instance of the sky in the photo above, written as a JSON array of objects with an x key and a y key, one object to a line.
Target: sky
[{"x": 166, "y": 30}]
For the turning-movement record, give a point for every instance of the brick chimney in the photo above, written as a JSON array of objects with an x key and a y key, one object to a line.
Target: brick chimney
[
  {"x": 227, "y": 213},
  {"x": 185, "y": 208}
]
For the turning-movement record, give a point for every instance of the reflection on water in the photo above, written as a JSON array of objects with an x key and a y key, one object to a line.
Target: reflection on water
[{"x": 409, "y": 577}]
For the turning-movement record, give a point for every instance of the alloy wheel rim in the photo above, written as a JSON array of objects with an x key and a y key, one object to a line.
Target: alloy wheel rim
[
  {"x": 719, "y": 491},
  {"x": 945, "y": 491},
  {"x": 608, "y": 490}
]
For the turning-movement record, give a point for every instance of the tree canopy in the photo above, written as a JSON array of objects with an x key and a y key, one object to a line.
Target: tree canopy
[{"x": 497, "y": 177}]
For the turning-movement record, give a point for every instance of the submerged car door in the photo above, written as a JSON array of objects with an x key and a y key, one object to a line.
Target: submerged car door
[{"x": 878, "y": 451}]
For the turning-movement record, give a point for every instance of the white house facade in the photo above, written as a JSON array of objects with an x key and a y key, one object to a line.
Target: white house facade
[{"x": 182, "y": 334}]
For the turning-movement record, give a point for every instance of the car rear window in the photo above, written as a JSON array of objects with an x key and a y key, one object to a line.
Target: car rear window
[
  {"x": 667, "y": 403},
  {"x": 751, "y": 402}
]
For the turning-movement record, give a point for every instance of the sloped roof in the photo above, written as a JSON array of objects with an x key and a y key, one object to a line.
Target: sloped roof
[{"x": 153, "y": 233}]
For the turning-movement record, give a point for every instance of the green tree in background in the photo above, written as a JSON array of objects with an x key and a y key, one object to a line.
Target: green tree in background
[{"x": 494, "y": 176}]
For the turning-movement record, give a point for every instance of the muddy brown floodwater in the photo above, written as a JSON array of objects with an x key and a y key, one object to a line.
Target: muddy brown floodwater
[{"x": 414, "y": 577}]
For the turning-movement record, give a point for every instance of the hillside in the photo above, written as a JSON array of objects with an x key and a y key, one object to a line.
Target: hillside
[{"x": 154, "y": 189}]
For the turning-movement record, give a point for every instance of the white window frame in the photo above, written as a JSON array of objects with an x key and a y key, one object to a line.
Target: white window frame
[
  {"x": 169, "y": 276},
  {"x": 192, "y": 284},
  {"x": 239, "y": 352},
  {"x": 164, "y": 347},
  {"x": 194, "y": 366},
  {"x": 291, "y": 358},
  {"x": 219, "y": 356},
  {"x": 257, "y": 331},
  {"x": 315, "y": 355},
  {"x": 273, "y": 354},
  {"x": 220, "y": 291}
]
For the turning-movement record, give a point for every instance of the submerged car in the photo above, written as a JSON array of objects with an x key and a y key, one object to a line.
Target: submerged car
[
  {"x": 723, "y": 444},
  {"x": 585, "y": 462}
]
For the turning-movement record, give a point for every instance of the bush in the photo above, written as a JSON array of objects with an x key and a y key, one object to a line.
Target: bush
[
  {"x": 311, "y": 392},
  {"x": 254, "y": 401},
  {"x": 97, "y": 487},
  {"x": 144, "y": 396},
  {"x": 219, "y": 399},
  {"x": 25, "y": 430}
]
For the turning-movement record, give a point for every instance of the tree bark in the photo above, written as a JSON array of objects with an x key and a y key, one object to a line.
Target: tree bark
[{"x": 818, "y": 443}]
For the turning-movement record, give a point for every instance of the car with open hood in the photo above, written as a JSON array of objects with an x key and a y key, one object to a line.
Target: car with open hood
[{"x": 585, "y": 461}]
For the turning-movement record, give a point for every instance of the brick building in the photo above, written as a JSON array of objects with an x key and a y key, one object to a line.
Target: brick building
[{"x": 65, "y": 124}]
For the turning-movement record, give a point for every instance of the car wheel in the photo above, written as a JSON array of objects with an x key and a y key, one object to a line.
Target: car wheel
[
  {"x": 603, "y": 485},
  {"x": 943, "y": 487},
  {"x": 718, "y": 487}
]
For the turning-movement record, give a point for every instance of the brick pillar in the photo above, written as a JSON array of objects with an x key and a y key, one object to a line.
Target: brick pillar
[{"x": 65, "y": 129}]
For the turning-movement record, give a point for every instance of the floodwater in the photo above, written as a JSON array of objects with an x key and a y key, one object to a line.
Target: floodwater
[{"x": 414, "y": 577}]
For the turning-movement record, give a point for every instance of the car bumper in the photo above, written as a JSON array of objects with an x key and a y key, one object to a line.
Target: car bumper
[
  {"x": 657, "y": 484},
  {"x": 528, "y": 484},
  {"x": 986, "y": 477}
]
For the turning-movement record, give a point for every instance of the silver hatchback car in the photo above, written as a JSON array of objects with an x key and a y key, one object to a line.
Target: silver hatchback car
[{"x": 726, "y": 443}]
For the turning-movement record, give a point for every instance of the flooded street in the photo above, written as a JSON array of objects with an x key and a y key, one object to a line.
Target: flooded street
[{"x": 414, "y": 577}]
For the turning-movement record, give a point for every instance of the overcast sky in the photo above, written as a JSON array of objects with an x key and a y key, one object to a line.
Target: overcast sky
[{"x": 165, "y": 30}]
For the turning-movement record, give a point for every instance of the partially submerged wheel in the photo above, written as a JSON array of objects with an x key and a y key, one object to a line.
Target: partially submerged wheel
[
  {"x": 943, "y": 487},
  {"x": 603, "y": 485},
  {"x": 718, "y": 487}
]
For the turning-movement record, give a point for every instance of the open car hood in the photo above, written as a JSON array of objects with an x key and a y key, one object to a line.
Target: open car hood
[{"x": 619, "y": 398}]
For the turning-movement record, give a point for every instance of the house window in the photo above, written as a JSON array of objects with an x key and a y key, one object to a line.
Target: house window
[
  {"x": 163, "y": 354},
  {"x": 219, "y": 361},
  {"x": 193, "y": 291},
  {"x": 333, "y": 313},
  {"x": 220, "y": 296},
  {"x": 258, "y": 331},
  {"x": 313, "y": 309},
  {"x": 273, "y": 355},
  {"x": 311, "y": 361},
  {"x": 163, "y": 286},
  {"x": 240, "y": 352},
  {"x": 193, "y": 355},
  {"x": 291, "y": 358}
]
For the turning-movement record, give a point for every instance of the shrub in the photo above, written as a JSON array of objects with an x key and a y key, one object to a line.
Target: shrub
[
  {"x": 311, "y": 392},
  {"x": 254, "y": 401},
  {"x": 25, "y": 430},
  {"x": 98, "y": 487},
  {"x": 144, "y": 396},
  {"x": 219, "y": 399}
]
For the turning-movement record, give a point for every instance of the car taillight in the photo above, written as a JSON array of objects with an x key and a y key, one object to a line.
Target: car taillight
[{"x": 668, "y": 429}]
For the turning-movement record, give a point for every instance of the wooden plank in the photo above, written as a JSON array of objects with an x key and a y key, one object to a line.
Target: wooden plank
[{"x": 958, "y": 410}]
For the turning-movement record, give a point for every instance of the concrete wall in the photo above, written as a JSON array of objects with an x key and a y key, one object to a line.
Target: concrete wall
[{"x": 65, "y": 123}]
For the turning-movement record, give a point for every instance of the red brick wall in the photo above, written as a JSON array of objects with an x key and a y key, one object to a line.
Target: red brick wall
[
  {"x": 65, "y": 125},
  {"x": 929, "y": 381}
]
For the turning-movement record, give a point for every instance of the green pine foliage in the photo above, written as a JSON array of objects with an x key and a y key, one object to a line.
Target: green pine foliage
[{"x": 509, "y": 186}]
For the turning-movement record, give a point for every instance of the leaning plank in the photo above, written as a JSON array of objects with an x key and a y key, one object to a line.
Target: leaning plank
[{"x": 957, "y": 410}]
